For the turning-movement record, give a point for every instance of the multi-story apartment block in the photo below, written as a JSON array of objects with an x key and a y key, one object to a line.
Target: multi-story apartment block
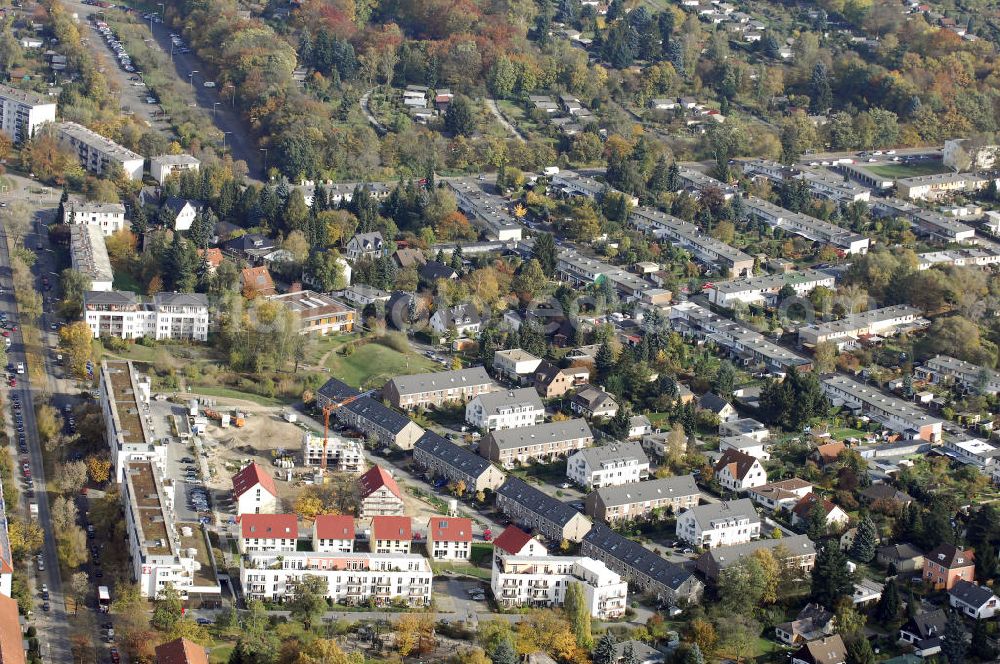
[
  {"x": 642, "y": 500},
  {"x": 765, "y": 289},
  {"x": 608, "y": 465},
  {"x": 434, "y": 389},
  {"x": 895, "y": 414},
  {"x": 271, "y": 533},
  {"x": 645, "y": 571},
  {"x": 973, "y": 452},
  {"x": 333, "y": 533},
  {"x": 345, "y": 455},
  {"x": 123, "y": 314},
  {"x": 390, "y": 534},
  {"x": 125, "y": 405},
  {"x": 390, "y": 428},
  {"x": 165, "y": 165},
  {"x": 6, "y": 557},
  {"x": 22, "y": 112},
  {"x": 542, "y": 442},
  {"x": 89, "y": 256},
  {"x": 515, "y": 364},
  {"x": 938, "y": 185},
  {"x": 533, "y": 509},
  {"x": 351, "y": 578},
  {"x": 108, "y": 217},
  {"x": 705, "y": 248},
  {"x": 449, "y": 538},
  {"x": 163, "y": 551},
  {"x": 811, "y": 228},
  {"x": 885, "y": 322},
  {"x": 443, "y": 458},
  {"x": 541, "y": 581},
  {"x": 254, "y": 491},
  {"x": 318, "y": 314},
  {"x": 719, "y": 524},
  {"x": 738, "y": 471},
  {"x": 98, "y": 154},
  {"x": 486, "y": 211},
  {"x": 379, "y": 494},
  {"x": 942, "y": 369},
  {"x": 793, "y": 551},
  {"x": 505, "y": 410}
]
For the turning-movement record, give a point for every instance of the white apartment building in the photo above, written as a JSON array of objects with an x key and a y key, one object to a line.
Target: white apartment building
[
  {"x": 166, "y": 165},
  {"x": 719, "y": 524},
  {"x": 608, "y": 465},
  {"x": 935, "y": 186},
  {"x": 352, "y": 578},
  {"x": 346, "y": 455},
  {"x": 89, "y": 256},
  {"x": 508, "y": 409},
  {"x": 109, "y": 217},
  {"x": 541, "y": 581},
  {"x": 97, "y": 153},
  {"x": 22, "y": 112},
  {"x": 886, "y": 322},
  {"x": 765, "y": 289},
  {"x": 125, "y": 315},
  {"x": 449, "y": 538},
  {"x": 254, "y": 491},
  {"x": 333, "y": 533},
  {"x": 271, "y": 533},
  {"x": 515, "y": 364},
  {"x": 973, "y": 452},
  {"x": 126, "y": 408},
  {"x": 895, "y": 414}
]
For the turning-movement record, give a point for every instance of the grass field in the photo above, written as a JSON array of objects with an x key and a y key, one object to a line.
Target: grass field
[
  {"x": 373, "y": 364},
  {"x": 126, "y": 282},
  {"x": 906, "y": 170},
  {"x": 227, "y": 393}
]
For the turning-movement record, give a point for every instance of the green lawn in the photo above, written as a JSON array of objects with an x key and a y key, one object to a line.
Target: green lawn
[
  {"x": 906, "y": 170},
  {"x": 126, "y": 282},
  {"x": 227, "y": 393},
  {"x": 373, "y": 364}
]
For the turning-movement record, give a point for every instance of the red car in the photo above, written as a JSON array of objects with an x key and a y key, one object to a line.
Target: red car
[
  {"x": 115, "y": 657},
  {"x": 12, "y": 382}
]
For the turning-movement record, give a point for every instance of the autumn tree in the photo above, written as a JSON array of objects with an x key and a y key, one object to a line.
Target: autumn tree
[
  {"x": 75, "y": 341},
  {"x": 167, "y": 608},
  {"x": 80, "y": 586},
  {"x": 578, "y": 613},
  {"x": 47, "y": 421},
  {"x": 99, "y": 469}
]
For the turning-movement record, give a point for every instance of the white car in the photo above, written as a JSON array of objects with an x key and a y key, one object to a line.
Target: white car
[
  {"x": 209, "y": 84},
  {"x": 20, "y": 367}
]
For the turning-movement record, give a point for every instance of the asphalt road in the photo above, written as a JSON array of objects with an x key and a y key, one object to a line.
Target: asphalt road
[{"x": 53, "y": 627}]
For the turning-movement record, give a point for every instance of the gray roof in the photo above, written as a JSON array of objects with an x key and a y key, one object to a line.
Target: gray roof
[
  {"x": 902, "y": 551},
  {"x": 460, "y": 458},
  {"x": 636, "y": 492},
  {"x": 180, "y": 299},
  {"x": 705, "y": 514},
  {"x": 495, "y": 401},
  {"x": 723, "y": 557},
  {"x": 541, "y": 433},
  {"x": 337, "y": 390},
  {"x": 596, "y": 456},
  {"x": 379, "y": 413},
  {"x": 971, "y": 593},
  {"x": 444, "y": 380},
  {"x": 115, "y": 298},
  {"x": 643, "y": 652},
  {"x": 532, "y": 499},
  {"x": 637, "y": 557},
  {"x": 594, "y": 397}
]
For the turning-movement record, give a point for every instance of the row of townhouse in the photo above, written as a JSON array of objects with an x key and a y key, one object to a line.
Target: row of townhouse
[
  {"x": 641, "y": 500},
  {"x": 719, "y": 524},
  {"x": 442, "y": 458},
  {"x": 368, "y": 416},
  {"x": 125, "y": 315},
  {"x": 580, "y": 270},
  {"x": 542, "y": 581},
  {"x": 532, "y": 509},
  {"x": 765, "y": 289},
  {"x": 942, "y": 369},
  {"x": 793, "y": 552},
  {"x": 821, "y": 184},
  {"x": 748, "y": 346},
  {"x": 973, "y": 256},
  {"x": 435, "y": 389},
  {"x": 938, "y": 185},
  {"x": 485, "y": 210},
  {"x": 925, "y": 222},
  {"x": 543, "y": 442},
  {"x": 702, "y": 246},
  {"x": 895, "y": 414},
  {"x": 89, "y": 256},
  {"x": 608, "y": 465},
  {"x": 808, "y": 227},
  {"x": 884, "y": 322}
]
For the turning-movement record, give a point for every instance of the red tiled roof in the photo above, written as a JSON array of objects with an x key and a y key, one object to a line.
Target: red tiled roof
[
  {"x": 335, "y": 526},
  {"x": 269, "y": 526},
  {"x": 249, "y": 477},
  {"x": 739, "y": 463},
  {"x": 374, "y": 480},
  {"x": 11, "y": 646},
  {"x": 213, "y": 256},
  {"x": 828, "y": 453},
  {"x": 449, "y": 529},
  {"x": 396, "y": 528},
  {"x": 180, "y": 651},
  {"x": 512, "y": 540},
  {"x": 806, "y": 502}
]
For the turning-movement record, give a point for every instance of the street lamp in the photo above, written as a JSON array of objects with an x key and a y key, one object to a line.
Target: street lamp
[
  {"x": 264, "y": 150},
  {"x": 151, "y": 15},
  {"x": 224, "y": 139},
  {"x": 191, "y": 77},
  {"x": 215, "y": 106},
  {"x": 230, "y": 85}
]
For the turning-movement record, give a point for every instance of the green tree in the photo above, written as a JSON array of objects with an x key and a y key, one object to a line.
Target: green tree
[
  {"x": 604, "y": 362},
  {"x": 530, "y": 280},
  {"x": 887, "y": 609},
  {"x": 459, "y": 119},
  {"x": 575, "y": 607},
  {"x": 859, "y": 651},
  {"x": 953, "y": 645},
  {"x": 725, "y": 380},
  {"x": 981, "y": 645},
  {"x": 309, "y": 602},
  {"x": 545, "y": 251},
  {"x": 504, "y": 652},
  {"x": 167, "y": 609},
  {"x": 865, "y": 541},
  {"x": 503, "y": 77},
  {"x": 816, "y": 521},
  {"x": 694, "y": 655},
  {"x": 628, "y": 655},
  {"x": 74, "y": 284},
  {"x": 604, "y": 653},
  {"x": 831, "y": 579}
]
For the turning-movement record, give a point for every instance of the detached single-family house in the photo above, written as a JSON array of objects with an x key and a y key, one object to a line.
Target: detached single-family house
[
  {"x": 924, "y": 632},
  {"x": 180, "y": 213},
  {"x": 781, "y": 494},
  {"x": 738, "y": 471},
  {"x": 835, "y": 517},
  {"x": 826, "y": 650},
  {"x": 946, "y": 565},
  {"x": 254, "y": 491},
  {"x": 812, "y": 622},
  {"x": 977, "y": 602},
  {"x": 379, "y": 494},
  {"x": 593, "y": 402},
  {"x": 333, "y": 533},
  {"x": 552, "y": 381},
  {"x": 724, "y": 410},
  {"x": 391, "y": 534},
  {"x": 449, "y": 538},
  {"x": 464, "y": 319},
  {"x": 904, "y": 557},
  {"x": 366, "y": 245},
  {"x": 256, "y": 281}
]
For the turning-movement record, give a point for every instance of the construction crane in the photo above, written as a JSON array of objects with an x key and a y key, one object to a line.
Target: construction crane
[{"x": 327, "y": 409}]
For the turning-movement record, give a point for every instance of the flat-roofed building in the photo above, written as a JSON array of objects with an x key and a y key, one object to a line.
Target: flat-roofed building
[
  {"x": 938, "y": 185},
  {"x": 318, "y": 314},
  {"x": 895, "y": 414},
  {"x": 641, "y": 500},
  {"x": 884, "y": 322},
  {"x": 98, "y": 154},
  {"x": 345, "y": 455},
  {"x": 972, "y": 256},
  {"x": 125, "y": 405},
  {"x": 22, "y": 112},
  {"x": 705, "y": 248},
  {"x": 108, "y": 217},
  {"x": 543, "y": 442},
  {"x": 165, "y": 165},
  {"x": 926, "y": 222},
  {"x": 765, "y": 289},
  {"x": 89, "y": 256},
  {"x": 808, "y": 227},
  {"x": 125, "y": 315},
  {"x": 542, "y": 581},
  {"x": 942, "y": 369},
  {"x": 515, "y": 364}
]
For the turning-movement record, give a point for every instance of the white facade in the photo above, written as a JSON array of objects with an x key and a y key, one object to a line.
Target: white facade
[
  {"x": 185, "y": 217},
  {"x": 719, "y": 524},
  {"x": 895, "y": 414},
  {"x": 124, "y": 393},
  {"x": 267, "y": 533},
  {"x": 88, "y": 255},
  {"x": 109, "y": 217},
  {"x": 256, "y": 500},
  {"x": 333, "y": 533},
  {"x": 97, "y": 153},
  {"x": 505, "y": 410},
  {"x": 740, "y": 474},
  {"x": 764, "y": 289},
  {"x": 515, "y": 364},
  {"x": 973, "y": 452},
  {"x": 342, "y": 454},
  {"x": 22, "y": 112},
  {"x": 608, "y": 465},
  {"x": 182, "y": 316},
  {"x": 449, "y": 538},
  {"x": 352, "y": 578},
  {"x": 543, "y": 580},
  {"x": 166, "y": 165}
]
